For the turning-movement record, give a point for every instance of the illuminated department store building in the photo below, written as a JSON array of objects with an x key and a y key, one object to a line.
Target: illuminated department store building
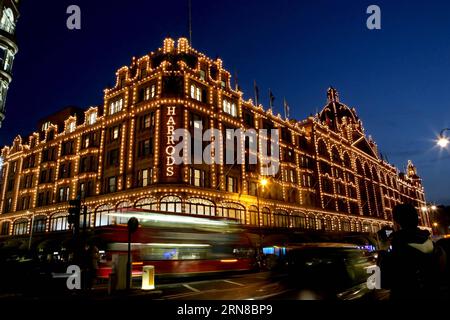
[{"x": 331, "y": 176}]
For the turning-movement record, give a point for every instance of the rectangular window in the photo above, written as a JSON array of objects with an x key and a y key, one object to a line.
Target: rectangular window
[
  {"x": 114, "y": 157},
  {"x": 153, "y": 91},
  {"x": 197, "y": 177},
  {"x": 10, "y": 185},
  {"x": 231, "y": 184},
  {"x": 82, "y": 192},
  {"x": 116, "y": 106},
  {"x": 40, "y": 199},
  {"x": 86, "y": 141},
  {"x": 63, "y": 194},
  {"x": 72, "y": 126},
  {"x": 146, "y": 147},
  {"x": 143, "y": 73},
  {"x": 92, "y": 118},
  {"x": 112, "y": 184},
  {"x": 252, "y": 189},
  {"x": 292, "y": 176},
  {"x": 8, "y": 205},
  {"x": 114, "y": 133},
  {"x": 196, "y": 121},
  {"x": 229, "y": 107},
  {"x": 62, "y": 170},
  {"x": 196, "y": 93},
  {"x": 147, "y": 121},
  {"x": 145, "y": 177}
]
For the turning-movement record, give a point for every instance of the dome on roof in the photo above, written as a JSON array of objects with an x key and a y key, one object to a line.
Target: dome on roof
[{"x": 335, "y": 112}]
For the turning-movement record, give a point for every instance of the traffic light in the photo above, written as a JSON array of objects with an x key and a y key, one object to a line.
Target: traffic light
[{"x": 74, "y": 212}]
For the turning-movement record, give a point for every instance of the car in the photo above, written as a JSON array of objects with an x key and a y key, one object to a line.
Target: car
[{"x": 323, "y": 271}]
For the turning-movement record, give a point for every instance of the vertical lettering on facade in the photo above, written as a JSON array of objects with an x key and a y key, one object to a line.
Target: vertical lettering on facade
[{"x": 170, "y": 149}]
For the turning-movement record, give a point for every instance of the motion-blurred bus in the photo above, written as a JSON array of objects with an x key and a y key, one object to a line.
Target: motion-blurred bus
[{"x": 177, "y": 245}]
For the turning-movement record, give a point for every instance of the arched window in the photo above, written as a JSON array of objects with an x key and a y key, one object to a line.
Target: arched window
[
  {"x": 359, "y": 168},
  {"x": 374, "y": 174},
  {"x": 101, "y": 216},
  {"x": 328, "y": 225},
  {"x": 323, "y": 150},
  {"x": 58, "y": 222},
  {"x": 366, "y": 227},
  {"x": 4, "y": 231},
  {"x": 266, "y": 221},
  {"x": 335, "y": 224},
  {"x": 281, "y": 219},
  {"x": 336, "y": 156},
  {"x": 359, "y": 226},
  {"x": 7, "y": 22},
  {"x": 298, "y": 220},
  {"x": 232, "y": 211},
  {"x": 121, "y": 207},
  {"x": 171, "y": 204},
  {"x": 311, "y": 222},
  {"x": 347, "y": 161},
  {"x": 39, "y": 224},
  {"x": 354, "y": 226},
  {"x": 200, "y": 207},
  {"x": 20, "y": 227},
  {"x": 147, "y": 204},
  {"x": 345, "y": 225},
  {"x": 368, "y": 173},
  {"x": 253, "y": 212},
  {"x": 382, "y": 178}
]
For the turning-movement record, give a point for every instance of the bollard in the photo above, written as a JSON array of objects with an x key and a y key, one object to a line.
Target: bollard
[{"x": 148, "y": 278}]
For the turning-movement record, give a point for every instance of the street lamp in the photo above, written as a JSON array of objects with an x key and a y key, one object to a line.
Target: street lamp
[
  {"x": 443, "y": 140},
  {"x": 264, "y": 182}
]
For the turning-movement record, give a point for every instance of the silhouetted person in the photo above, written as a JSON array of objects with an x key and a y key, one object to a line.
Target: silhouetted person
[
  {"x": 91, "y": 256},
  {"x": 408, "y": 269}
]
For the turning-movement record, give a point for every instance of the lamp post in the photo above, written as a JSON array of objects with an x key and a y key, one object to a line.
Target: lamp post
[
  {"x": 263, "y": 182},
  {"x": 443, "y": 140},
  {"x": 435, "y": 228}
]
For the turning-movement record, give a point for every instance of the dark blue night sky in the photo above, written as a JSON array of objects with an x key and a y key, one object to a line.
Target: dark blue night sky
[{"x": 397, "y": 78}]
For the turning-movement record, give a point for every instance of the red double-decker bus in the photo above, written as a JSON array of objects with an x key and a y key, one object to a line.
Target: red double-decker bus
[{"x": 177, "y": 245}]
